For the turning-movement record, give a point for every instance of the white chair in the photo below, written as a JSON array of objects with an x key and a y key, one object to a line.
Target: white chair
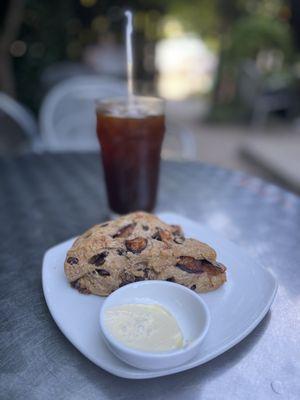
[
  {"x": 259, "y": 97},
  {"x": 67, "y": 116},
  {"x": 22, "y": 116}
]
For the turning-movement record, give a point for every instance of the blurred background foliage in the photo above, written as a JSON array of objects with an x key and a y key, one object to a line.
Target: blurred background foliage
[
  {"x": 54, "y": 31},
  {"x": 253, "y": 34}
]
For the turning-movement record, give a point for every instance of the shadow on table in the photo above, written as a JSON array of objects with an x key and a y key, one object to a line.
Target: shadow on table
[{"x": 149, "y": 388}]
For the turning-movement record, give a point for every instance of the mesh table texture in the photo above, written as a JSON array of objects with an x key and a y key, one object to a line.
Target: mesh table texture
[{"x": 45, "y": 199}]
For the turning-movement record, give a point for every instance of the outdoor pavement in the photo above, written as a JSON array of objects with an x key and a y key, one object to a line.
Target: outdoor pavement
[
  {"x": 279, "y": 155},
  {"x": 271, "y": 152},
  {"x": 219, "y": 145}
]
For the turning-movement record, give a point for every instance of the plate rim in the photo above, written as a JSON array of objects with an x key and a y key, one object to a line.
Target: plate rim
[{"x": 166, "y": 372}]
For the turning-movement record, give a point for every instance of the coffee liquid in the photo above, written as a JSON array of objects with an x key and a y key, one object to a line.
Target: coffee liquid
[{"x": 131, "y": 157}]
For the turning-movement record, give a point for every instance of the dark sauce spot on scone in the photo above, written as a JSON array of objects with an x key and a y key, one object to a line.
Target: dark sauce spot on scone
[
  {"x": 193, "y": 287},
  {"x": 179, "y": 239},
  {"x": 76, "y": 285},
  {"x": 138, "y": 278},
  {"x": 190, "y": 264},
  {"x": 146, "y": 272},
  {"x": 126, "y": 277},
  {"x": 156, "y": 236},
  {"x": 98, "y": 259},
  {"x": 102, "y": 272},
  {"x": 123, "y": 283},
  {"x": 121, "y": 252},
  {"x": 131, "y": 280},
  {"x": 72, "y": 260},
  {"x": 136, "y": 245},
  {"x": 125, "y": 231},
  {"x": 162, "y": 235},
  {"x": 171, "y": 279}
]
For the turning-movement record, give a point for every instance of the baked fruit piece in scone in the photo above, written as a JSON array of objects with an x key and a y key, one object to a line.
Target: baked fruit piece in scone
[{"x": 139, "y": 246}]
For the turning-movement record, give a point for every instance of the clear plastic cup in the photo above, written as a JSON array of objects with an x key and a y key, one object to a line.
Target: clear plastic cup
[{"x": 131, "y": 132}]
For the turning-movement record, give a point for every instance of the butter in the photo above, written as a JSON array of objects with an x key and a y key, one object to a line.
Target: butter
[{"x": 146, "y": 327}]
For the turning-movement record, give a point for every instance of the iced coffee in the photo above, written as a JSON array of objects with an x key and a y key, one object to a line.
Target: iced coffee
[{"x": 130, "y": 133}]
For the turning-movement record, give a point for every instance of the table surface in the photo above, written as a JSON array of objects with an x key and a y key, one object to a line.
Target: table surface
[{"x": 45, "y": 199}]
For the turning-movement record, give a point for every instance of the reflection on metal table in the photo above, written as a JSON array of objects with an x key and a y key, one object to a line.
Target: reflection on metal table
[{"x": 46, "y": 199}]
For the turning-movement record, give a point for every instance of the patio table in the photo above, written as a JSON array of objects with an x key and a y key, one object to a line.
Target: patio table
[{"x": 46, "y": 199}]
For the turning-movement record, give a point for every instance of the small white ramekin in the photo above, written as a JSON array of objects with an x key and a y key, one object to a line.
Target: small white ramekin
[{"x": 187, "y": 308}]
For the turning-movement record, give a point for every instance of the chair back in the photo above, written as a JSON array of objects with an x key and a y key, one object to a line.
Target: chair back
[
  {"x": 22, "y": 117},
  {"x": 68, "y": 118}
]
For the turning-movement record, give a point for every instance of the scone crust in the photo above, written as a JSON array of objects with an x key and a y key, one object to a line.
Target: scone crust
[{"x": 139, "y": 246}]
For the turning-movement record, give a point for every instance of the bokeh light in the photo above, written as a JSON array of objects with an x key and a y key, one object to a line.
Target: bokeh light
[
  {"x": 18, "y": 48},
  {"x": 100, "y": 24},
  {"x": 74, "y": 49},
  {"x": 88, "y": 3}
]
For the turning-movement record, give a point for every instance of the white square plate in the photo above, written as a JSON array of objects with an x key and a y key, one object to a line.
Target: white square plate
[{"x": 236, "y": 308}]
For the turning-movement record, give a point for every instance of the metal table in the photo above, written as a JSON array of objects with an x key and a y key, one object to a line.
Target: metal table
[{"x": 46, "y": 199}]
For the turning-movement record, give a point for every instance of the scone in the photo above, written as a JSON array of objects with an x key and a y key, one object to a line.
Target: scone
[{"x": 139, "y": 246}]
